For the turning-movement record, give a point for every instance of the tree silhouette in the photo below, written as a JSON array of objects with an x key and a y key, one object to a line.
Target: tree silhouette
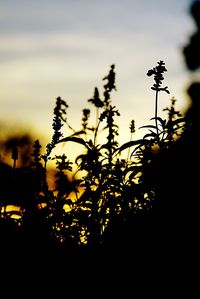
[
  {"x": 192, "y": 60},
  {"x": 191, "y": 51}
]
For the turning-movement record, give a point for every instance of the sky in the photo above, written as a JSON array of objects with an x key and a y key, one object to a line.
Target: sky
[{"x": 65, "y": 47}]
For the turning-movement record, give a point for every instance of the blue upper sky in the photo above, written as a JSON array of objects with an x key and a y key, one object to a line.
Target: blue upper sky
[{"x": 65, "y": 47}]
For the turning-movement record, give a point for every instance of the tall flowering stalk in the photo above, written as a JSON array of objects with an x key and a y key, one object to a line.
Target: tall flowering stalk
[
  {"x": 132, "y": 131},
  {"x": 98, "y": 103},
  {"x": 59, "y": 118},
  {"x": 158, "y": 72}
]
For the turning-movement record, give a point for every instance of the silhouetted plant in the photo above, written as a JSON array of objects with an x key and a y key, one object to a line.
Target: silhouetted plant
[
  {"x": 158, "y": 78},
  {"x": 109, "y": 189}
]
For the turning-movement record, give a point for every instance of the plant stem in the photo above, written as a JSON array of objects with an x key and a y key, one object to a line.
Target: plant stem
[
  {"x": 97, "y": 125},
  {"x": 156, "y": 111},
  {"x": 128, "y": 155}
]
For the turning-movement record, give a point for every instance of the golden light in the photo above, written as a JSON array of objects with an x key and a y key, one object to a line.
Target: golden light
[{"x": 12, "y": 211}]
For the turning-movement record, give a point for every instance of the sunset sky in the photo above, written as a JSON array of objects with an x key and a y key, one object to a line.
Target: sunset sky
[{"x": 65, "y": 47}]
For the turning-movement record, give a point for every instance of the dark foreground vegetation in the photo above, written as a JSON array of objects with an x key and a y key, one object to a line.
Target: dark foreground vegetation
[{"x": 138, "y": 214}]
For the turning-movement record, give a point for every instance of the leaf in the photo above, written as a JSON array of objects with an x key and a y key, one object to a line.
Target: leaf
[
  {"x": 74, "y": 139},
  {"x": 78, "y": 133},
  {"x": 135, "y": 173},
  {"x": 149, "y": 126},
  {"x": 179, "y": 120},
  {"x": 69, "y": 202},
  {"x": 132, "y": 143},
  {"x": 134, "y": 168},
  {"x": 152, "y": 134},
  {"x": 81, "y": 157},
  {"x": 162, "y": 121},
  {"x": 134, "y": 152}
]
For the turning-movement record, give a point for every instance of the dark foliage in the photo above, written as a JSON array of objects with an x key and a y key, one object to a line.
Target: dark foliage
[
  {"x": 111, "y": 193},
  {"x": 191, "y": 51},
  {"x": 140, "y": 211}
]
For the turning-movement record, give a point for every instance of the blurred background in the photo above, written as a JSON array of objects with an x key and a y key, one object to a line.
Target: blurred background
[{"x": 65, "y": 47}]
